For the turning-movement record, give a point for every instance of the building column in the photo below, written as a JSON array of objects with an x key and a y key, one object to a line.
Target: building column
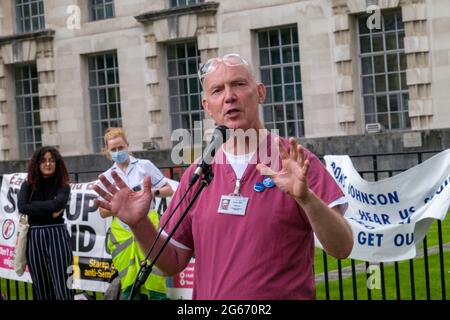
[
  {"x": 16, "y": 49},
  {"x": 346, "y": 82},
  {"x": 208, "y": 45},
  {"x": 157, "y": 125},
  {"x": 207, "y": 37},
  {"x": 47, "y": 93},
  {"x": 197, "y": 21},
  {"x": 418, "y": 73},
  {"x": 4, "y": 116}
]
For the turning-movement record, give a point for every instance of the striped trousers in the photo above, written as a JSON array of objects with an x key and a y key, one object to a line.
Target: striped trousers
[{"x": 49, "y": 256}]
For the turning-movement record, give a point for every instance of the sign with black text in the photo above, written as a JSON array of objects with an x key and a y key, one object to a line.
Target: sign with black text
[{"x": 390, "y": 217}]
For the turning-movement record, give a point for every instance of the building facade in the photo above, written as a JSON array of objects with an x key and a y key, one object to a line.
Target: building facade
[{"x": 71, "y": 68}]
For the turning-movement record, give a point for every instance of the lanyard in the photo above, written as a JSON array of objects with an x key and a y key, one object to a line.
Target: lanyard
[{"x": 237, "y": 188}]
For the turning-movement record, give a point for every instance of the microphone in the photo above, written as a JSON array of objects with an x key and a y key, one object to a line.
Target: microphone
[{"x": 220, "y": 135}]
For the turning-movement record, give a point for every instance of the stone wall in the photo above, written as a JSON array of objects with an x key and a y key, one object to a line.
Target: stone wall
[
  {"x": 141, "y": 30},
  {"x": 90, "y": 166}
]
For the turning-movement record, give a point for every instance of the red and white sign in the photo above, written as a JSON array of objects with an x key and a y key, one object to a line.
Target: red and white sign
[{"x": 180, "y": 287}]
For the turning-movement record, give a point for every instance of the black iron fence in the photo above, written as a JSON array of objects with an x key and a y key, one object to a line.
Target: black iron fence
[{"x": 424, "y": 277}]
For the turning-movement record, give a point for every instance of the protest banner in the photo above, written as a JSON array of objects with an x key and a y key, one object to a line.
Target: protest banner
[{"x": 390, "y": 217}]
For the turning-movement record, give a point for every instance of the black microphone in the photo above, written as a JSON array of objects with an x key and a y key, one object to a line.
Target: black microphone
[{"x": 220, "y": 135}]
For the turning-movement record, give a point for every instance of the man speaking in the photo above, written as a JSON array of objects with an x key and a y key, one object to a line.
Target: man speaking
[{"x": 262, "y": 245}]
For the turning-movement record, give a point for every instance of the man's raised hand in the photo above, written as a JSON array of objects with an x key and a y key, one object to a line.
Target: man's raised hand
[
  {"x": 129, "y": 206},
  {"x": 293, "y": 176}
]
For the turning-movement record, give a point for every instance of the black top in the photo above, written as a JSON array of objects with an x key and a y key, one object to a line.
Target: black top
[{"x": 47, "y": 199}]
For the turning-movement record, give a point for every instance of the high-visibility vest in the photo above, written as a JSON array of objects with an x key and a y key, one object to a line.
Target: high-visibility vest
[{"x": 127, "y": 255}]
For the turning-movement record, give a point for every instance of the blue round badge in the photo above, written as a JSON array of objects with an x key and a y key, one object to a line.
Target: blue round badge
[
  {"x": 259, "y": 187},
  {"x": 268, "y": 183}
]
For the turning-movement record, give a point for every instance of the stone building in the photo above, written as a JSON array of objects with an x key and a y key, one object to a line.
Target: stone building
[{"x": 71, "y": 68}]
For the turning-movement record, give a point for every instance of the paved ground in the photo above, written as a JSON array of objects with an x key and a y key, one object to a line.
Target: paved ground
[{"x": 361, "y": 267}]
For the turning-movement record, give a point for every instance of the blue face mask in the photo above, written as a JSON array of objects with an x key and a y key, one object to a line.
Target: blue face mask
[{"x": 119, "y": 156}]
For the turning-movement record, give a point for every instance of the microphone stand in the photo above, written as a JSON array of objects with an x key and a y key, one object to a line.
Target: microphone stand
[{"x": 146, "y": 269}]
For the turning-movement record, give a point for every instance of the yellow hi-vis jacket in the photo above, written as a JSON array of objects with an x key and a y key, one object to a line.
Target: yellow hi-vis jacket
[{"x": 127, "y": 255}]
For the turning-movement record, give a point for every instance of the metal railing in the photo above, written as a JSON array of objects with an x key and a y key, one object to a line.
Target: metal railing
[
  {"x": 19, "y": 290},
  {"x": 11, "y": 289},
  {"x": 413, "y": 285}
]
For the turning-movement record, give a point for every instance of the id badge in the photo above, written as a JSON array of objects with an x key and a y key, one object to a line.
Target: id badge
[{"x": 234, "y": 205}]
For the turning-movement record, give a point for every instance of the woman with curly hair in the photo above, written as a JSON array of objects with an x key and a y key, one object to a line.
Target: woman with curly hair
[{"x": 43, "y": 197}]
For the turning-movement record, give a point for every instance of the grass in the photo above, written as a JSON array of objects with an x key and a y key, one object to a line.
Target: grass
[
  {"x": 404, "y": 274},
  {"x": 15, "y": 287},
  {"x": 432, "y": 235},
  {"x": 390, "y": 287},
  {"x": 25, "y": 290}
]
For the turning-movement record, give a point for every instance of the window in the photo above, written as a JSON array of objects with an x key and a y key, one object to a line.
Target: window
[
  {"x": 100, "y": 9},
  {"x": 30, "y": 15},
  {"x": 182, "y": 3},
  {"x": 184, "y": 87},
  {"x": 104, "y": 93},
  {"x": 383, "y": 72},
  {"x": 280, "y": 72},
  {"x": 27, "y": 104}
]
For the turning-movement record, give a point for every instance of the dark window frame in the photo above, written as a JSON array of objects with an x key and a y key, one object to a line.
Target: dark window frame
[
  {"x": 382, "y": 63},
  {"x": 101, "y": 9},
  {"x": 30, "y": 15},
  {"x": 183, "y": 3},
  {"x": 104, "y": 95},
  {"x": 185, "y": 92},
  {"x": 279, "y": 66},
  {"x": 27, "y": 100}
]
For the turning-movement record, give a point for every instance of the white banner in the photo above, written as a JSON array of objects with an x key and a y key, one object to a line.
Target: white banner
[
  {"x": 92, "y": 264},
  {"x": 389, "y": 217}
]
